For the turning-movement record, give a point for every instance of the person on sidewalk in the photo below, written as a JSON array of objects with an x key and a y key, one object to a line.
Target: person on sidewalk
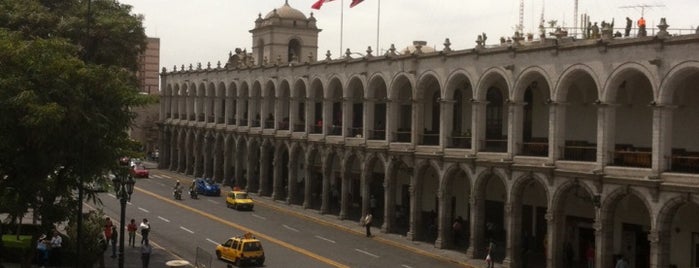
[
  {"x": 114, "y": 238},
  {"x": 367, "y": 223},
  {"x": 146, "y": 250},
  {"x": 131, "y": 228},
  {"x": 55, "y": 253},
  {"x": 145, "y": 230}
]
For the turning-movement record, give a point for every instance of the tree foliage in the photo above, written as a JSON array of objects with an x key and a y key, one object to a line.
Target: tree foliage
[{"x": 65, "y": 97}]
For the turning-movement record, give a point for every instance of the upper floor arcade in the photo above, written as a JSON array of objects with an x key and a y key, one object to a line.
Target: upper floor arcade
[{"x": 626, "y": 103}]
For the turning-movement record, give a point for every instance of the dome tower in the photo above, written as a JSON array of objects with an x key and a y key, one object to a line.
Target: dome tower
[{"x": 285, "y": 34}]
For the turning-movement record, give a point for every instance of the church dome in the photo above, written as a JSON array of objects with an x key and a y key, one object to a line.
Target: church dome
[{"x": 286, "y": 12}]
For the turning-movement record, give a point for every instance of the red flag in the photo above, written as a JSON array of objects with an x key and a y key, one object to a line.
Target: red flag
[
  {"x": 320, "y": 3},
  {"x": 355, "y": 2}
]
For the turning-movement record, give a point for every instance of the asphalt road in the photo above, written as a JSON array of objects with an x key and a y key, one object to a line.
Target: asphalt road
[{"x": 182, "y": 226}]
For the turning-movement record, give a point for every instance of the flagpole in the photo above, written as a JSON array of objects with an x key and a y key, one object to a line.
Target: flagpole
[
  {"x": 342, "y": 19},
  {"x": 378, "y": 19}
]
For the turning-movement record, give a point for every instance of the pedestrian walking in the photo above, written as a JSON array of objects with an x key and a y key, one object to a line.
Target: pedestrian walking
[
  {"x": 590, "y": 256},
  {"x": 489, "y": 260},
  {"x": 131, "y": 228},
  {"x": 114, "y": 238},
  {"x": 145, "y": 230},
  {"x": 56, "y": 244},
  {"x": 42, "y": 251},
  {"x": 367, "y": 223},
  {"x": 146, "y": 250}
]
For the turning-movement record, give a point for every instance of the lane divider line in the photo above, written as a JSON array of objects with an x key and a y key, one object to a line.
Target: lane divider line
[
  {"x": 325, "y": 239},
  {"x": 213, "y": 242},
  {"x": 406, "y": 266},
  {"x": 186, "y": 230},
  {"x": 245, "y": 229},
  {"x": 367, "y": 253},
  {"x": 143, "y": 209},
  {"x": 290, "y": 228},
  {"x": 258, "y": 216},
  {"x": 213, "y": 201},
  {"x": 163, "y": 219}
]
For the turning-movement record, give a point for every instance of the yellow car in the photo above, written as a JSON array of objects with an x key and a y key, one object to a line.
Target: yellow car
[
  {"x": 239, "y": 200},
  {"x": 241, "y": 250}
]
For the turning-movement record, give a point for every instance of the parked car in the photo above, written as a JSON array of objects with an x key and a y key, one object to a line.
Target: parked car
[
  {"x": 139, "y": 171},
  {"x": 239, "y": 200},
  {"x": 206, "y": 186},
  {"x": 241, "y": 250}
]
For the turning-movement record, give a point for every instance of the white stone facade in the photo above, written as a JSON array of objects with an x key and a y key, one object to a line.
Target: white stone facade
[{"x": 538, "y": 145}]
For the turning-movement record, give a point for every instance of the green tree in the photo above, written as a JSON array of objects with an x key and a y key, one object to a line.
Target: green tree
[{"x": 65, "y": 100}]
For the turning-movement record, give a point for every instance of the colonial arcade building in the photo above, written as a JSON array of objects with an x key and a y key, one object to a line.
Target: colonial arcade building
[{"x": 548, "y": 147}]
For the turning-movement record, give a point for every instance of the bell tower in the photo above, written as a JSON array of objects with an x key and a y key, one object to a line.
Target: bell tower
[{"x": 285, "y": 35}]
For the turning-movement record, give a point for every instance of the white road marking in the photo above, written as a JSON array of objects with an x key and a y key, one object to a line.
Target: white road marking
[
  {"x": 258, "y": 216},
  {"x": 156, "y": 176},
  {"x": 187, "y": 230},
  {"x": 290, "y": 228},
  {"x": 166, "y": 176},
  {"x": 367, "y": 253},
  {"x": 112, "y": 195},
  {"x": 406, "y": 266},
  {"x": 163, "y": 219},
  {"x": 213, "y": 242},
  {"x": 323, "y": 238},
  {"x": 213, "y": 201},
  {"x": 143, "y": 209}
]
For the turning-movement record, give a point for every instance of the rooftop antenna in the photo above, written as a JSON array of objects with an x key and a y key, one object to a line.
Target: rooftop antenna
[
  {"x": 575, "y": 19},
  {"x": 642, "y": 7},
  {"x": 520, "y": 26}
]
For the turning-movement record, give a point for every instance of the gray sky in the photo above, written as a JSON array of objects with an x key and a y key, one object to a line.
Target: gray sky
[{"x": 193, "y": 31}]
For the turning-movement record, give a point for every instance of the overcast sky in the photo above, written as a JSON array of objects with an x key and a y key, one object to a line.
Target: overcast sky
[{"x": 193, "y": 31}]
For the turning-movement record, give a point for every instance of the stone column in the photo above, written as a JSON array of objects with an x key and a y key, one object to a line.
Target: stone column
[
  {"x": 264, "y": 172},
  {"x": 344, "y": 191},
  {"x": 327, "y": 171},
  {"x": 478, "y": 126},
  {"x": 554, "y": 228},
  {"x": 327, "y": 116},
  {"x": 606, "y": 129},
  {"x": 239, "y": 164},
  {"x": 477, "y": 243},
  {"x": 293, "y": 114},
  {"x": 227, "y": 160},
  {"x": 389, "y": 201},
  {"x": 662, "y": 138},
  {"x": 446, "y": 125},
  {"x": 415, "y": 208},
  {"x": 603, "y": 240},
  {"x": 417, "y": 125},
  {"x": 307, "y": 185},
  {"x": 659, "y": 258},
  {"x": 444, "y": 231},
  {"x": 513, "y": 230},
  {"x": 193, "y": 161},
  {"x": 556, "y": 131},
  {"x": 346, "y": 117},
  {"x": 392, "y": 122},
  {"x": 368, "y": 114},
  {"x": 276, "y": 176},
  {"x": 515, "y": 128},
  {"x": 292, "y": 178},
  {"x": 206, "y": 152}
]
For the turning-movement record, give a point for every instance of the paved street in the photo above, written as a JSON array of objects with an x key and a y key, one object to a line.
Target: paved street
[{"x": 292, "y": 236}]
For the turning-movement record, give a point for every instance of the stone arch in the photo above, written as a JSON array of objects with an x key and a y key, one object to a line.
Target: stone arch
[
  {"x": 617, "y": 77},
  {"x": 526, "y": 78},
  {"x": 675, "y": 76},
  {"x": 571, "y": 74},
  {"x": 458, "y": 75},
  {"x": 494, "y": 76},
  {"x": 424, "y": 78},
  {"x": 400, "y": 80}
]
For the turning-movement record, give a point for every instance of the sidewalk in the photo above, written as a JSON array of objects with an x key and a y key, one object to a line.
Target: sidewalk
[
  {"x": 395, "y": 240},
  {"x": 132, "y": 257}
]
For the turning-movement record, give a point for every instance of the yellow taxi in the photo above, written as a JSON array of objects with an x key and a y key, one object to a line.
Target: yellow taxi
[
  {"x": 239, "y": 200},
  {"x": 240, "y": 250}
]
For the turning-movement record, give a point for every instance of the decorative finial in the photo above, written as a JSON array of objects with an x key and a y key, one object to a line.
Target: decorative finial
[
  {"x": 348, "y": 53},
  {"x": 327, "y": 55},
  {"x": 208, "y": 65},
  {"x": 218, "y": 65},
  {"x": 447, "y": 45},
  {"x": 368, "y": 52}
]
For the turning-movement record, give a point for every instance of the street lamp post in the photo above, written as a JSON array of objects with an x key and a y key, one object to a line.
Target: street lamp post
[{"x": 123, "y": 185}]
